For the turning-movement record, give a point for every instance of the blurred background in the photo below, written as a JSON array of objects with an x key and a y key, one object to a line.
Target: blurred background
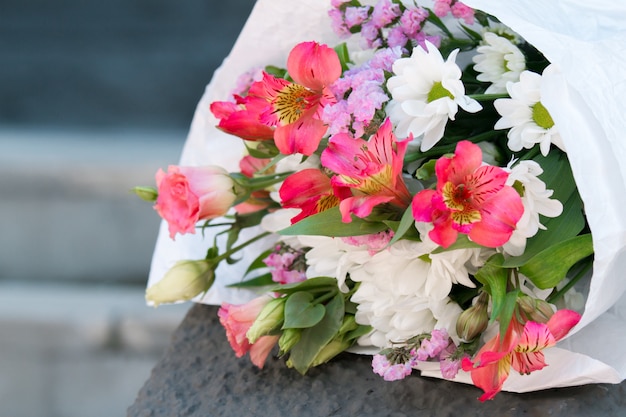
[{"x": 95, "y": 96}]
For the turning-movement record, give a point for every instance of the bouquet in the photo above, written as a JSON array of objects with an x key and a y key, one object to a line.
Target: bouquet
[{"x": 406, "y": 185}]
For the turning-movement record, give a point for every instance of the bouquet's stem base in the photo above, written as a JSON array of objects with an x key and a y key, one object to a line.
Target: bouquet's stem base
[{"x": 200, "y": 376}]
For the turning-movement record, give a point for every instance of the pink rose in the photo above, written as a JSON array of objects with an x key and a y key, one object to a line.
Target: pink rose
[
  {"x": 237, "y": 319},
  {"x": 190, "y": 194}
]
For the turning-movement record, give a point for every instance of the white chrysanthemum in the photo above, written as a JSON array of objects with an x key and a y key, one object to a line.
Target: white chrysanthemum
[
  {"x": 426, "y": 91},
  {"x": 332, "y": 257},
  {"x": 392, "y": 297},
  {"x": 498, "y": 61},
  {"x": 536, "y": 200},
  {"x": 529, "y": 120}
]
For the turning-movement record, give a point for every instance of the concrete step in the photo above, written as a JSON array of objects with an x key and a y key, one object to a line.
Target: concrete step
[
  {"x": 77, "y": 351},
  {"x": 66, "y": 210}
]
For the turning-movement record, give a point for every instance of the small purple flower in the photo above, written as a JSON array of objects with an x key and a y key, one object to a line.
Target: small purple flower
[
  {"x": 449, "y": 363},
  {"x": 384, "y": 13},
  {"x": 356, "y": 15},
  {"x": 337, "y": 23},
  {"x": 396, "y": 37},
  {"x": 433, "y": 346},
  {"x": 412, "y": 19},
  {"x": 389, "y": 372}
]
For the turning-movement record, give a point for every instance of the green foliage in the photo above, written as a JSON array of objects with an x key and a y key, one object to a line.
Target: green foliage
[{"x": 328, "y": 223}]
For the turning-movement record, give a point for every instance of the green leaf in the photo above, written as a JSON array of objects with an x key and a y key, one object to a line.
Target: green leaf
[
  {"x": 329, "y": 223},
  {"x": 312, "y": 284},
  {"x": 462, "y": 242},
  {"x": 506, "y": 313},
  {"x": 300, "y": 312},
  {"x": 344, "y": 56},
  {"x": 314, "y": 339},
  {"x": 494, "y": 277},
  {"x": 550, "y": 266},
  {"x": 406, "y": 223},
  {"x": 260, "y": 281},
  {"x": 258, "y": 262},
  {"x": 569, "y": 224}
]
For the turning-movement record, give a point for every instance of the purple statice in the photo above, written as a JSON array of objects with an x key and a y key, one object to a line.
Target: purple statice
[
  {"x": 462, "y": 11},
  {"x": 412, "y": 19},
  {"x": 384, "y": 13},
  {"x": 287, "y": 264},
  {"x": 371, "y": 34},
  {"x": 450, "y": 361},
  {"x": 374, "y": 242},
  {"x": 337, "y": 23},
  {"x": 431, "y": 347},
  {"x": 389, "y": 371},
  {"x": 396, "y": 37},
  {"x": 354, "y": 16},
  {"x": 360, "y": 94}
]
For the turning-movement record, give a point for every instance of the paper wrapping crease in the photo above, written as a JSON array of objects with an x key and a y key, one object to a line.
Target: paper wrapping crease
[{"x": 588, "y": 43}]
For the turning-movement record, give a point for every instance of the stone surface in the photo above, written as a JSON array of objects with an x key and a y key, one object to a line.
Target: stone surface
[{"x": 200, "y": 376}]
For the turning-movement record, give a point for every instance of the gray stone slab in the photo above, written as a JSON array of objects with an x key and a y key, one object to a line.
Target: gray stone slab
[{"x": 200, "y": 376}]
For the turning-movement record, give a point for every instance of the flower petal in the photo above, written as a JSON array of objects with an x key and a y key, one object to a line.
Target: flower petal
[
  {"x": 562, "y": 322},
  {"x": 313, "y": 65}
]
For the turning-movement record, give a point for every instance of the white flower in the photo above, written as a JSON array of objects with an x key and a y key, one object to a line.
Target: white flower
[
  {"x": 392, "y": 297},
  {"x": 529, "y": 120},
  {"x": 332, "y": 257},
  {"x": 498, "y": 61},
  {"x": 426, "y": 91},
  {"x": 536, "y": 200}
]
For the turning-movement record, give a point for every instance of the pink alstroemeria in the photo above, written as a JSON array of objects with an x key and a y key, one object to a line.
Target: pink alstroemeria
[
  {"x": 311, "y": 191},
  {"x": 243, "y": 118},
  {"x": 372, "y": 169},
  {"x": 295, "y": 107},
  {"x": 470, "y": 198},
  {"x": 520, "y": 348},
  {"x": 237, "y": 319},
  {"x": 260, "y": 199}
]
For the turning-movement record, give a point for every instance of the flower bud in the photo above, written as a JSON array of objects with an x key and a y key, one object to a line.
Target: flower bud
[
  {"x": 332, "y": 349},
  {"x": 288, "y": 340},
  {"x": 473, "y": 321},
  {"x": 148, "y": 194},
  {"x": 183, "y": 281},
  {"x": 269, "y": 319},
  {"x": 535, "y": 309}
]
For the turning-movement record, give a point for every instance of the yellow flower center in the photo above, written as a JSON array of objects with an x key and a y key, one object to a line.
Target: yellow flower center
[
  {"x": 456, "y": 198},
  {"x": 541, "y": 116},
  {"x": 326, "y": 202},
  {"x": 438, "y": 91},
  {"x": 376, "y": 183},
  {"x": 291, "y": 102}
]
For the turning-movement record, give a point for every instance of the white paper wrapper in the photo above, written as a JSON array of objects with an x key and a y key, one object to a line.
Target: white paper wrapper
[{"x": 587, "y": 41}]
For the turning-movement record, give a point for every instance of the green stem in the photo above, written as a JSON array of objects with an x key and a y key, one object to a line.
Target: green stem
[
  {"x": 325, "y": 297},
  {"x": 236, "y": 249},
  {"x": 487, "y": 97}
]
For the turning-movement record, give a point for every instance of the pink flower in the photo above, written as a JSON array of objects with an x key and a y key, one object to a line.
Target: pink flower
[
  {"x": 521, "y": 348},
  {"x": 384, "y": 12},
  {"x": 310, "y": 190},
  {"x": 237, "y": 319},
  {"x": 190, "y": 194},
  {"x": 372, "y": 169},
  {"x": 389, "y": 372},
  {"x": 470, "y": 198},
  {"x": 295, "y": 107},
  {"x": 431, "y": 347},
  {"x": 448, "y": 363},
  {"x": 462, "y": 11},
  {"x": 242, "y": 118}
]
